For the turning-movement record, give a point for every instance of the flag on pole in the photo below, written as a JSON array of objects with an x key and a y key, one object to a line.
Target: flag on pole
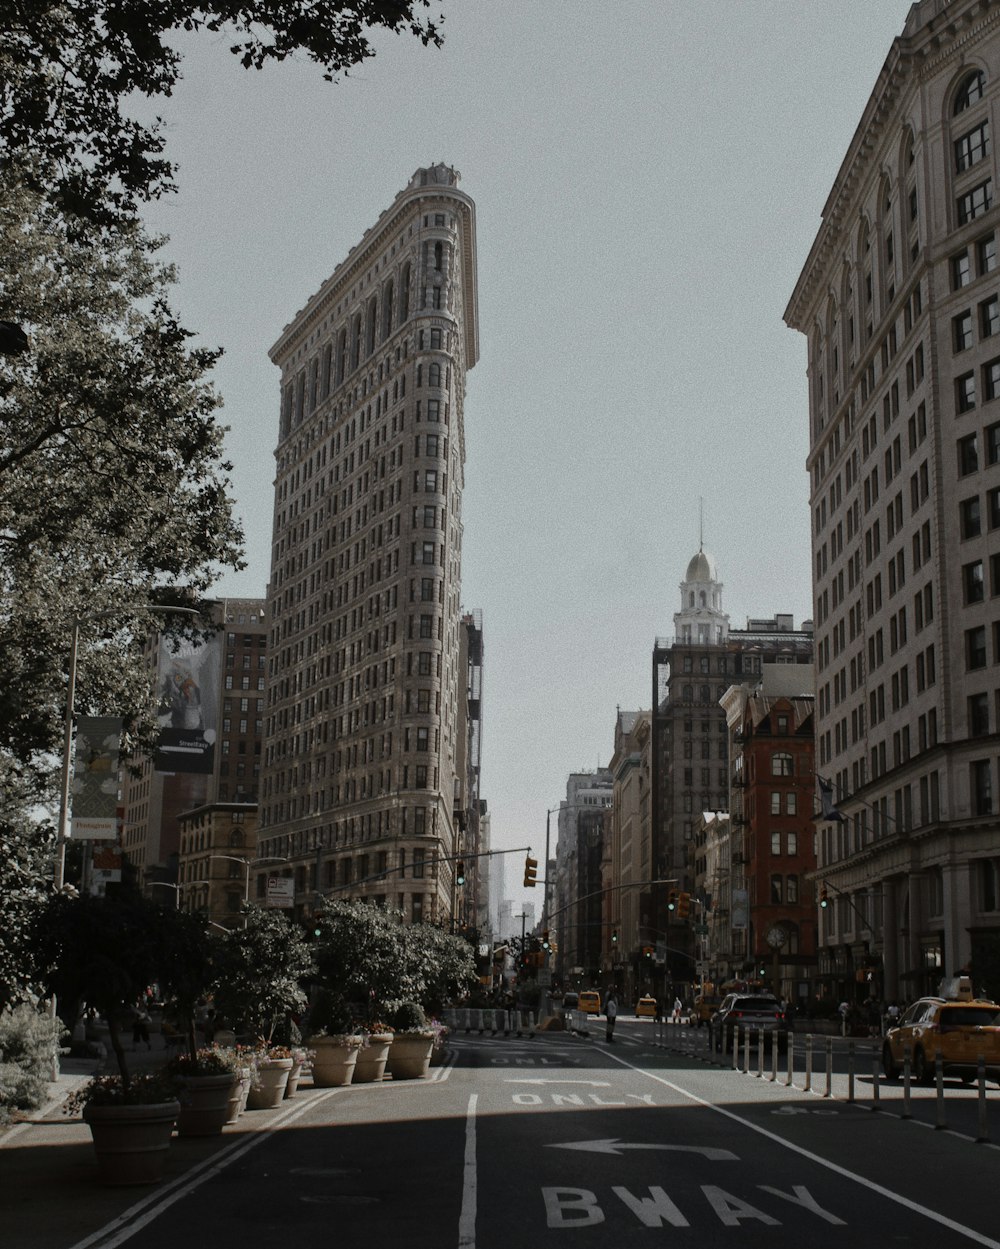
[{"x": 827, "y": 802}]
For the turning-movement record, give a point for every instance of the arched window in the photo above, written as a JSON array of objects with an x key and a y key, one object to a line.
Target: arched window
[
  {"x": 972, "y": 89},
  {"x": 691, "y": 599},
  {"x": 356, "y": 342},
  {"x": 341, "y": 355},
  {"x": 702, "y": 598},
  {"x": 387, "y": 310},
  {"x": 372, "y": 323},
  {"x": 236, "y": 837},
  {"x": 781, "y": 765},
  {"x": 434, "y": 375}
]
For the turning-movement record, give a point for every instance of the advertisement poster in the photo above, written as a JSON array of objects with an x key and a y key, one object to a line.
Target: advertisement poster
[
  {"x": 94, "y": 788},
  {"x": 188, "y": 676}
]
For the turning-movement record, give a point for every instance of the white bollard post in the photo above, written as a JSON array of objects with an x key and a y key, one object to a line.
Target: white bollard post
[
  {"x": 940, "y": 1113},
  {"x": 984, "y": 1129},
  {"x": 807, "y": 1087},
  {"x": 906, "y": 1082}
]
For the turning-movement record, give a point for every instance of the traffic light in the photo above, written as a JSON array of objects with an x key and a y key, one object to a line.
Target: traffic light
[
  {"x": 614, "y": 936},
  {"x": 647, "y": 951},
  {"x": 672, "y": 900},
  {"x": 530, "y": 871},
  {"x": 824, "y": 898},
  {"x": 460, "y": 873},
  {"x": 683, "y": 905},
  {"x": 545, "y": 938}
]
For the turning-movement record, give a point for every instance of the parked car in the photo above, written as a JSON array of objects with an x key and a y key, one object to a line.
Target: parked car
[
  {"x": 963, "y": 1028},
  {"x": 755, "y": 1013},
  {"x": 646, "y": 1006},
  {"x": 590, "y": 1002}
]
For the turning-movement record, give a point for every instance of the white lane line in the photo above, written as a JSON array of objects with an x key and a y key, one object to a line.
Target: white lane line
[
  {"x": 136, "y": 1217},
  {"x": 467, "y": 1218},
  {"x": 898, "y": 1198}
]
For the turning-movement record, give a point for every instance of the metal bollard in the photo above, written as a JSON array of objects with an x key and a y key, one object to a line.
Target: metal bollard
[
  {"x": 876, "y": 1075},
  {"x": 774, "y": 1058},
  {"x": 746, "y": 1051},
  {"x": 809, "y": 1063},
  {"x": 984, "y": 1128},
  {"x": 791, "y": 1058},
  {"x": 735, "y": 1039},
  {"x": 940, "y": 1115},
  {"x": 828, "y": 1091},
  {"x": 760, "y": 1052},
  {"x": 906, "y": 1082},
  {"x": 850, "y": 1071}
]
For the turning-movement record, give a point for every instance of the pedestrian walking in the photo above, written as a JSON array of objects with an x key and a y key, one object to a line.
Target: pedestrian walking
[
  {"x": 140, "y": 1027},
  {"x": 610, "y": 1015},
  {"x": 678, "y": 1006}
]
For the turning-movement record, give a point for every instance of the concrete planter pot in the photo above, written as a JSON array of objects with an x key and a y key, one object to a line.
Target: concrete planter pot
[
  {"x": 267, "y": 1091},
  {"x": 410, "y": 1055},
  {"x": 334, "y": 1060},
  {"x": 205, "y": 1104},
  {"x": 293, "y": 1078},
  {"x": 131, "y": 1142},
  {"x": 238, "y": 1096},
  {"x": 372, "y": 1058}
]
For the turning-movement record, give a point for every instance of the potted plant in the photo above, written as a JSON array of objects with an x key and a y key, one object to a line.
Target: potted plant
[
  {"x": 206, "y": 1085},
  {"x": 412, "y": 1042},
  {"x": 243, "y": 1056},
  {"x": 258, "y": 974},
  {"x": 271, "y": 1067},
  {"x": 333, "y": 1040},
  {"x": 374, "y": 1053},
  {"x": 105, "y": 951},
  {"x": 131, "y": 1126}
]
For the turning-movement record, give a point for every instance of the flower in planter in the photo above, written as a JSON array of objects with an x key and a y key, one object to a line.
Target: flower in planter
[
  {"x": 142, "y": 1090},
  {"x": 209, "y": 1060}
]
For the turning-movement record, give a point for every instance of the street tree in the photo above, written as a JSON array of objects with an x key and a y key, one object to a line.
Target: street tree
[
  {"x": 259, "y": 973},
  {"x": 360, "y": 953},
  {"x": 112, "y": 480}
]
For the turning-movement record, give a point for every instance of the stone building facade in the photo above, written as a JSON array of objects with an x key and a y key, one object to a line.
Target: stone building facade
[
  {"x": 899, "y": 301},
  {"x": 364, "y": 786}
]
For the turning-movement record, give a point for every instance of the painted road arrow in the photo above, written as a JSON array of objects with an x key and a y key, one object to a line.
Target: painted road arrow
[{"x": 614, "y": 1146}]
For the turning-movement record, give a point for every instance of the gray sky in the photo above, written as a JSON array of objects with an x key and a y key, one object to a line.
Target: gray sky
[{"x": 647, "y": 192}]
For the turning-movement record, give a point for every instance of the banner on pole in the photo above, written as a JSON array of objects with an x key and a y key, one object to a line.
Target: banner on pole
[{"x": 94, "y": 791}]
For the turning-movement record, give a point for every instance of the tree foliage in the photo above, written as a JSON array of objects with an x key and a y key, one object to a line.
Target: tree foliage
[
  {"x": 25, "y": 869},
  {"x": 112, "y": 480},
  {"x": 359, "y": 952},
  {"x": 260, "y": 972},
  {"x": 67, "y": 68},
  {"x": 106, "y": 951}
]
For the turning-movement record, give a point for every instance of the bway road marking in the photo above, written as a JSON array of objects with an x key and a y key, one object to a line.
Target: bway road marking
[
  {"x": 615, "y": 1146},
  {"x": 882, "y": 1191}
]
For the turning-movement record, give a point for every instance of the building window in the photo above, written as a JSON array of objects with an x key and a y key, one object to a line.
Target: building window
[
  {"x": 775, "y": 802},
  {"x": 965, "y": 392},
  {"x": 993, "y": 507},
  {"x": 969, "y": 518},
  {"x": 989, "y": 316},
  {"x": 968, "y": 455},
  {"x": 791, "y": 889},
  {"x": 961, "y": 270},
  {"x": 962, "y": 330},
  {"x": 972, "y": 147},
  {"x": 973, "y": 582},
  {"x": 775, "y": 843},
  {"x": 776, "y": 888},
  {"x": 975, "y": 648},
  {"x": 792, "y": 843},
  {"x": 975, "y": 202},
  {"x": 982, "y": 787},
  {"x": 971, "y": 90},
  {"x": 979, "y": 715},
  {"x": 781, "y": 765},
  {"x": 986, "y": 254}
]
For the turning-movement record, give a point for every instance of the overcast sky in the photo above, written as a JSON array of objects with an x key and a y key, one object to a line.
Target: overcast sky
[{"x": 647, "y": 192}]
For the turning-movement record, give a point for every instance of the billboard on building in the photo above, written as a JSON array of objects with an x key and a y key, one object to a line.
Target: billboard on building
[
  {"x": 94, "y": 790},
  {"x": 188, "y": 675}
]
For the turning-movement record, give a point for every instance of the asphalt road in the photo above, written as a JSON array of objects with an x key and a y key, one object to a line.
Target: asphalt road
[{"x": 544, "y": 1140}]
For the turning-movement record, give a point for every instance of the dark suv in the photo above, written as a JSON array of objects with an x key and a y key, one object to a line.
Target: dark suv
[{"x": 755, "y": 1013}]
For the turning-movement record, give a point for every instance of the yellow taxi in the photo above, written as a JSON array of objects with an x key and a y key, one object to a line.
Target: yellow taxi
[
  {"x": 590, "y": 1002},
  {"x": 963, "y": 1028},
  {"x": 645, "y": 1006}
]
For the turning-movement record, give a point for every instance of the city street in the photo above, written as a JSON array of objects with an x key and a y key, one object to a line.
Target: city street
[{"x": 514, "y": 1139}]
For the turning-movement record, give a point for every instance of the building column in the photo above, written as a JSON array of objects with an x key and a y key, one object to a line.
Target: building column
[
  {"x": 890, "y": 939},
  {"x": 957, "y": 908}
]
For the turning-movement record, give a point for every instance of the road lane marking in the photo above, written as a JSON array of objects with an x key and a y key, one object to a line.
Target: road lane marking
[
  {"x": 594, "y": 1084},
  {"x": 467, "y": 1217},
  {"x": 136, "y": 1217},
  {"x": 880, "y": 1189},
  {"x": 613, "y": 1145}
]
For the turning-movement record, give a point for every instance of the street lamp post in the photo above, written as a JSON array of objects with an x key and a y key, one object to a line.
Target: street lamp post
[
  {"x": 166, "y": 884},
  {"x": 247, "y": 864}
]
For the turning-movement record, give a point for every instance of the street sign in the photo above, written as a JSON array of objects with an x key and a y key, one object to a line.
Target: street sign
[{"x": 280, "y": 891}]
